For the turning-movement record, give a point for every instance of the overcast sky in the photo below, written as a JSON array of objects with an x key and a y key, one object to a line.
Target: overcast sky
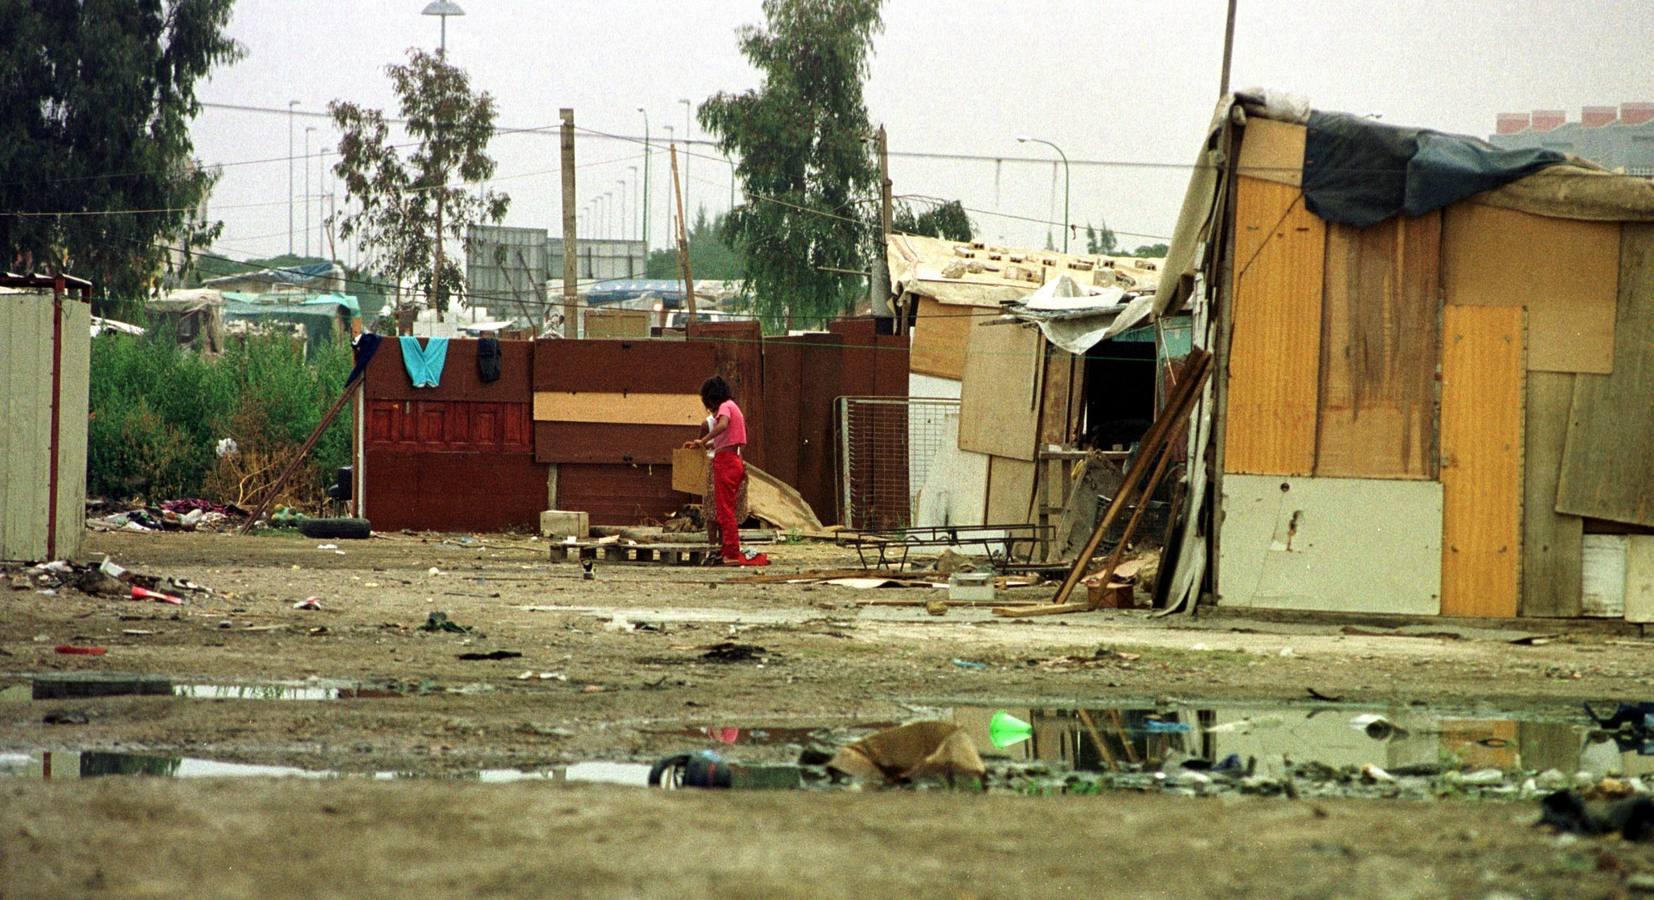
[{"x": 1110, "y": 81}]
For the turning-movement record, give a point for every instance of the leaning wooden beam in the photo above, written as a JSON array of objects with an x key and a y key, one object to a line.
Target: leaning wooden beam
[
  {"x": 309, "y": 445},
  {"x": 1154, "y": 443},
  {"x": 1107, "y": 571}
]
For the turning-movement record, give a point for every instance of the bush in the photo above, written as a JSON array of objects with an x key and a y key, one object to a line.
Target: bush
[{"x": 158, "y": 412}]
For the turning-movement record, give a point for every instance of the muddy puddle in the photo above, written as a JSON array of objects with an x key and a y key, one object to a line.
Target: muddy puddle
[
  {"x": 84, "y": 685},
  {"x": 59, "y": 765}
]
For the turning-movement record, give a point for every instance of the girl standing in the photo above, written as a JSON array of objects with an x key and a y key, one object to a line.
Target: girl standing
[{"x": 727, "y": 436}]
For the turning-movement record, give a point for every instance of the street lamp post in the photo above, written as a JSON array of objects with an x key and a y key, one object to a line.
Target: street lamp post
[
  {"x": 633, "y": 232},
  {"x": 290, "y": 105},
  {"x": 442, "y": 9},
  {"x": 645, "y": 204},
  {"x": 620, "y": 200},
  {"x": 1024, "y": 139},
  {"x": 307, "y": 130},
  {"x": 688, "y": 129},
  {"x": 671, "y": 135}
]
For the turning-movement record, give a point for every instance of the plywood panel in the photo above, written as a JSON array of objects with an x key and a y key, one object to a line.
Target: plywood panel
[
  {"x": 1639, "y": 578},
  {"x": 1379, "y": 350},
  {"x": 1273, "y": 151},
  {"x": 1260, "y": 209},
  {"x": 999, "y": 398},
  {"x": 621, "y": 409},
  {"x": 1483, "y": 401},
  {"x": 72, "y": 434},
  {"x": 1550, "y": 540},
  {"x": 25, "y": 439},
  {"x": 1606, "y": 469},
  {"x": 939, "y": 337},
  {"x": 1563, "y": 270},
  {"x": 1341, "y": 544},
  {"x": 1010, "y": 491},
  {"x": 1274, "y": 353},
  {"x": 615, "y": 323}
]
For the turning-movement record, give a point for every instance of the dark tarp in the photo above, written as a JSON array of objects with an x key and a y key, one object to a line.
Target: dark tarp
[{"x": 1360, "y": 172}]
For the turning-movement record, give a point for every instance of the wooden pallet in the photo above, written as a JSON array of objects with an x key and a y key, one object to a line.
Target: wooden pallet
[{"x": 632, "y": 554}]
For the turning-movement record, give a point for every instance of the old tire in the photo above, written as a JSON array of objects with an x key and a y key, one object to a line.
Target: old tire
[{"x": 343, "y": 528}]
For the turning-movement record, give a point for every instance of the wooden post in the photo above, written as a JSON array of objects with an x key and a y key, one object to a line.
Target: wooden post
[
  {"x": 571, "y": 269},
  {"x": 683, "y": 249},
  {"x": 878, "y": 286}
]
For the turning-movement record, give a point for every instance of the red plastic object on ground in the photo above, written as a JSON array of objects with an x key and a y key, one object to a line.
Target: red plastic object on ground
[
  {"x": 72, "y": 650},
  {"x": 139, "y": 593}
]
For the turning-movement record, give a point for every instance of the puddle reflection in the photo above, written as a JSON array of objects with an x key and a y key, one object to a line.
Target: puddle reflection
[{"x": 56, "y": 765}]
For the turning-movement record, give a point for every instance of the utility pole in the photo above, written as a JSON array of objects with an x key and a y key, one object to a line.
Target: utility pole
[
  {"x": 436, "y": 271},
  {"x": 688, "y": 125},
  {"x": 290, "y": 105},
  {"x": 1228, "y": 49},
  {"x": 879, "y": 285},
  {"x": 307, "y": 130},
  {"x": 571, "y": 273},
  {"x": 645, "y": 205},
  {"x": 683, "y": 253}
]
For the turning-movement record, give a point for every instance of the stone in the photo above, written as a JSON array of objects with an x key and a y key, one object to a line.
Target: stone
[{"x": 557, "y": 523}]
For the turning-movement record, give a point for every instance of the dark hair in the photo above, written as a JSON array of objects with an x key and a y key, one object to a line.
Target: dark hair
[{"x": 714, "y": 391}]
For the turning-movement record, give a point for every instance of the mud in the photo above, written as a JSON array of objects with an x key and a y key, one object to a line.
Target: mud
[{"x": 615, "y": 672}]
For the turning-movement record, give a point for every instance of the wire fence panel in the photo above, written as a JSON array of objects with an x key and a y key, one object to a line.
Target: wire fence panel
[{"x": 886, "y": 448}]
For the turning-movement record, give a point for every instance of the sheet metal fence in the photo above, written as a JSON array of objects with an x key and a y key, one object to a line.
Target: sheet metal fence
[{"x": 885, "y": 451}]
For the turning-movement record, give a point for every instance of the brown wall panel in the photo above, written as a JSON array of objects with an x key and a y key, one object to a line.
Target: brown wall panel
[
  {"x": 823, "y": 364},
  {"x": 643, "y": 366},
  {"x": 619, "y": 494},
  {"x": 439, "y": 426},
  {"x": 739, "y": 351},
  {"x": 387, "y": 377},
  {"x": 480, "y": 491},
  {"x": 583, "y": 442},
  {"x": 777, "y": 431}
]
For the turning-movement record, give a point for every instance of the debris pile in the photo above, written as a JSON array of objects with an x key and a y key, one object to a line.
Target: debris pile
[{"x": 191, "y": 514}]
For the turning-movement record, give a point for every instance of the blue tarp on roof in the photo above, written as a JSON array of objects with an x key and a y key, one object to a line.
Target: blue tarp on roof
[{"x": 617, "y": 290}]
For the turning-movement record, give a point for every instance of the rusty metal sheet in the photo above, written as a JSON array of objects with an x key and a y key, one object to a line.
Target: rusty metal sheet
[
  {"x": 476, "y": 491},
  {"x": 739, "y": 350},
  {"x": 643, "y": 366},
  {"x": 618, "y": 494},
  {"x": 387, "y": 378},
  {"x": 777, "y": 431},
  {"x": 584, "y": 442}
]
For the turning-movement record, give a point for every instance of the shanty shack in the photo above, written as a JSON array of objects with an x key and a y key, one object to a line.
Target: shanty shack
[
  {"x": 1010, "y": 373},
  {"x": 1434, "y": 390}
]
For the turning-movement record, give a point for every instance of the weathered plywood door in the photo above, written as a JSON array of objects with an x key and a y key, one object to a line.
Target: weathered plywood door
[
  {"x": 1275, "y": 346},
  {"x": 1379, "y": 350},
  {"x": 1482, "y": 405},
  {"x": 1551, "y": 579},
  {"x": 25, "y": 439},
  {"x": 999, "y": 404}
]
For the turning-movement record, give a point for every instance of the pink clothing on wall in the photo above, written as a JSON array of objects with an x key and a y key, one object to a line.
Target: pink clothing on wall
[{"x": 735, "y": 435}]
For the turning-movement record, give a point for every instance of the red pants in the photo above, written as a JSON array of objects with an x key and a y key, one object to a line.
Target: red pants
[{"x": 728, "y": 468}]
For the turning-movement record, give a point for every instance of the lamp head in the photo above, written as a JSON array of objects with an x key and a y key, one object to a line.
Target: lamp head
[{"x": 442, "y": 8}]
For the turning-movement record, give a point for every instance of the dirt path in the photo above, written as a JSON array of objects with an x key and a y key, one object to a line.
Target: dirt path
[{"x": 620, "y": 692}]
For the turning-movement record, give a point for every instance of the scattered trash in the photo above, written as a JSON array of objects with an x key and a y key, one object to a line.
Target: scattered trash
[
  {"x": 226, "y": 447},
  {"x": 592, "y": 689},
  {"x": 1005, "y": 730},
  {"x": 1321, "y": 695},
  {"x": 732, "y": 652},
  {"x": 532, "y": 675},
  {"x": 139, "y": 593},
  {"x": 936, "y": 607},
  {"x": 1377, "y": 727},
  {"x": 1165, "y": 726},
  {"x": 491, "y": 654},
  {"x": 341, "y": 528},
  {"x": 433, "y": 571},
  {"x": 1375, "y": 774},
  {"x": 910, "y": 752},
  {"x": 327, "y": 546},
  {"x": 588, "y": 569},
  {"x": 439, "y": 621},
  {"x": 69, "y": 717},
  {"x": 72, "y": 650},
  {"x": 1567, "y": 812},
  {"x": 970, "y": 664},
  {"x": 1285, "y": 651},
  {"x": 309, "y": 603}
]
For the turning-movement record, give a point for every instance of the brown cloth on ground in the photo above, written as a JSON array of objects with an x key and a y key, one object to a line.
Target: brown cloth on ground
[{"x": 911, "y": 751}]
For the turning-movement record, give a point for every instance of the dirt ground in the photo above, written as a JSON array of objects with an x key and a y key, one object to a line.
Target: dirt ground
[{"x": 634, "y": 694}]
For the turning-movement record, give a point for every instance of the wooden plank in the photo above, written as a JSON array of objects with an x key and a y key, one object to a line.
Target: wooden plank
[
  {"x": 1379, "y": 350},
  {"x": 1336, "y": 544},
  {"x": 1057, "y": 422},
  {"x": 599, "y": 324},
  {"x": 1639, "y": 578},
  {"x": 999, "y": 397},
  {"x": 940, "y": 335},
  {"x": 1606, "y": 473},
  {"x": 1604, "y": 566},
  {"x": 1272, "y": 151},
  {"x": 1481, "y": 466},
  {"x": 1010, "y": 491},
  {"x": 1260, "y": 209},
  {"x": 72, "y": 432},
  {"x": 689, "y": 471},
  {"x": 623, "y": 409},
  {"x": 1551, "y": 579},
  {"x": 1275, "y": 348},
  {"x": 1488, "y": 259},
  {"x": 597, "y": 442}
]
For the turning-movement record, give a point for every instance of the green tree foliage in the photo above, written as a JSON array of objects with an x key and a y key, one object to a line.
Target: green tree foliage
[
  {"x": 710, "y": 256},
  {"x": 96, "y": 97},
  {"x": 944, "y": 220},
  {"x": 1101, "y": 240},
  {"x": 1151, "y": 251},
  {"x": 158, "y": 410},
  {"x": 804, "y": 164},
  {"x": 399, "y": 191}
]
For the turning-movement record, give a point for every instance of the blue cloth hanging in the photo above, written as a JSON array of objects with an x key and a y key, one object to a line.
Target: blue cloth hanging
[{"x": 425, "y": 364}]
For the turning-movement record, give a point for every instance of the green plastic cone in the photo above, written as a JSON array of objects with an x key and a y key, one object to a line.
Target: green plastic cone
[{"x": 1005, "y": 729}]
